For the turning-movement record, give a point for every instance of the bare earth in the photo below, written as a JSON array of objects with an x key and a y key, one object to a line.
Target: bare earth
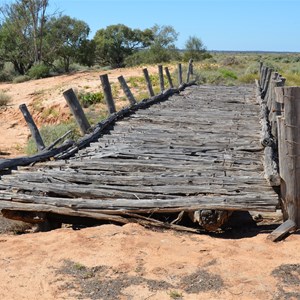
[{"x": 132, "y": 262}]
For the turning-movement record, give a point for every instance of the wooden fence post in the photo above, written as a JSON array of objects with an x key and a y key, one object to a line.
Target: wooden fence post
[
  {"x": 169, "y": 77},
  {"x": 126, "y": 90},
  {"x": 148, "y": 81},
  {"x": 161, "y": 78},
  {"x": 179, "y": 74},
  {"x": 289, "y": 158},
  {"x": 107, "y": 93},
  {"x": 32, "y": 127},
  {"x": 77, "y": 111},
  {"x": 189, "y": 71}
]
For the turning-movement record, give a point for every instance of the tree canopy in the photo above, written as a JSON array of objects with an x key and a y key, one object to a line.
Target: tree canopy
[{"x": 116, "y": 42}]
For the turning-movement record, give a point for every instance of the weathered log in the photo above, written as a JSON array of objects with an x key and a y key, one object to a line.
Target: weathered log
[
  {"x": 126, "y": 90},
  {"x": 189, "y": 71},
  {"x": 289, "y": 151},
  {"x": 77, "y": 111},
  {"x": 161, "y": 78},
  {"x": 169, "y": 77},
  {"x": 149, "y": 84},
  {"x": 179, "y": 74},
  {"x": 32, "y": 127},
  {"x": 108, "y": 94},
  {"x": 23, "y": 161},
  {"x": 271, "y": 167}
]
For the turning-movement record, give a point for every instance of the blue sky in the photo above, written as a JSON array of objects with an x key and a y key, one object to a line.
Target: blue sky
[{"x": 268, "y": 25}]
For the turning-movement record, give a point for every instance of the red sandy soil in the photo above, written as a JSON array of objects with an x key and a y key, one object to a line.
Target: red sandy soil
[{"x": 132, "y": 262}]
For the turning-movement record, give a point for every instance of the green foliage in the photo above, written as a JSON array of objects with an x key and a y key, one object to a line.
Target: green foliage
[
  {"x": 116, "y": 42},
  {"x": 65, "y": 39},
  {"x": 87, "y": 98},
  {"x": 194, "y": 49},
  {"x": 39, "y": 71},
  {"x": 228, "y": 74},
  {"x": 50, "y": 133},
  {"x": 4, "y": 99},
  {"x": 7, "y": 72}
]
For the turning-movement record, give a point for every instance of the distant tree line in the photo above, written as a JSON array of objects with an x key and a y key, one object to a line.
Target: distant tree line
[{"x": 34, "y": 41}]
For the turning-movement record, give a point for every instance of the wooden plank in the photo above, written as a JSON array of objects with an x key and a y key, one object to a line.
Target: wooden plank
[{"x": 282, "y": 231}]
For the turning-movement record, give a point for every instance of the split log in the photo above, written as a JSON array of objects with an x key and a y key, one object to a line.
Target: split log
[
  {"x": 77, "y": 111},
  {"x": 32, "y": 127},
  {"x": 127, "y": 90},
  {"x": 108, "y": 94},
  {"x": 161, "y": 78},
  {"x": 149, "y": 84},
  {"x": 169, "y": 77}
]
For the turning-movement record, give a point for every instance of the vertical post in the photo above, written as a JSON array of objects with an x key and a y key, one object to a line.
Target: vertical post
[
  {"x": 77, "y": 111},
  {"x": 289, "y": 143},
  {"x": 107, "y": 93},
  {"x": 169, "y": 77},
  {"x": 189, "y": 71},
  {"x": 126, "y": 90},
  {"x": 179, "y": 74},
  {"x": 148, "y": 81},
  {"x": 161, "y": 78},
  {"x": 32, "y": 127}
]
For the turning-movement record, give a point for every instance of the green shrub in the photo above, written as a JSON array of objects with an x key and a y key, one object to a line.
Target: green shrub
[
  {"x": 5, "y": 76},
  {"x": 4, "y": 99},
  {"x": 50, "y": 133},
  {"x": 228, "y": 74},
  {"x": 88, "y": 98},
  {"x": 39, "y": 71},
  {"x": 21, "y": 78}
]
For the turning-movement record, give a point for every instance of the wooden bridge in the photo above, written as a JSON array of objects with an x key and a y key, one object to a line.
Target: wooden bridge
[{"x": 197, "y": 151}]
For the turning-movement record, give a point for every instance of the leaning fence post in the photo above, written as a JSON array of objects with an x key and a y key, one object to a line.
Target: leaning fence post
[
  {"x": 169, "y": 77},
  {"x": 108, "y": 94},
  {"x": 77, "y": 111},
  {"x": 179, "y": 74},
  {"x": 148, "y": 81},
  {"x": 189, "y": 71},
  {"x": 32, "y": 127},
  {"x": 161, "y": 78},
  {"x": 127, "y": 90}
]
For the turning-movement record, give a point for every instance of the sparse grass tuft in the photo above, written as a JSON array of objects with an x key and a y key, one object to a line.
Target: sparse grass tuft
[{"x": 50, "y": 133}]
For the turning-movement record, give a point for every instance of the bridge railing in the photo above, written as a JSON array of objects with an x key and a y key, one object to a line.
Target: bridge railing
[{"x": 281, "y": 131}]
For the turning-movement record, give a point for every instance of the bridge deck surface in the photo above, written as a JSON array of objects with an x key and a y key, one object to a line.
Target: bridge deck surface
[{"x": 197, "y": 150}]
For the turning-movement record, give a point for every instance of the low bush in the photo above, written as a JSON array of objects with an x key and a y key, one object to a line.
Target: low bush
[
  {"x": 88, "y": 98},
  {"x": 21, "y": 78},
  {"x": 39, "y": 71},
  {"x": 4, "y": 99}
]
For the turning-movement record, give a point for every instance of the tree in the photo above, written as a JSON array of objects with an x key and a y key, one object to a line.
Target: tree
[
  {"x": 195, "y": 49},
  {"x": 116, "y": 42},
  {"x": 161, "y": 49},
  {"x": 22, "y": 32},
  {"x": 65, "y": 37}
]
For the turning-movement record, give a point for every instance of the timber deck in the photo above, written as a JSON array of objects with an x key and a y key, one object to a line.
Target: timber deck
[{"x": 197, "y": 150}]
